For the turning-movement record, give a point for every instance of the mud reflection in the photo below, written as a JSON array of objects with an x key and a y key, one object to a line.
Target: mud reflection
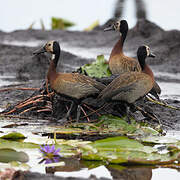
[{"x": 117, "y": 172}]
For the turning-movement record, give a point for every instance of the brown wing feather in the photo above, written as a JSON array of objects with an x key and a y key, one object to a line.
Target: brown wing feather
[
  {"x": 76, "y": 85},
  {"x": 157, "y": 88},
  {"x": 119, "y": 64},
  {"x": 119, "y": 82},
  {"x": 128, "y": 86}
]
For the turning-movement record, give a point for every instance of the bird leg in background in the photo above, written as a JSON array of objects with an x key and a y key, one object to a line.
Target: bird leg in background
[
  {"x": 118, "y": 9},
  {"x": 139, "y": 6},
  {"x": 140, "y": 9}
]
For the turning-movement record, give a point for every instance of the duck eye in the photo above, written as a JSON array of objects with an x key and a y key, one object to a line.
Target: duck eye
[{"x": 49, "y": 44}]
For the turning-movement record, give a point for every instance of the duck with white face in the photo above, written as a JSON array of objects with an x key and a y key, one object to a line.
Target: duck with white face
[
  {"x": 73, "y": 86},
  {"x": 119, "y": 63},
  {"x": 130, "y": 86}
]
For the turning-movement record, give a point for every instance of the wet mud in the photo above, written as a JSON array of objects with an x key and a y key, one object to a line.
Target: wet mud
[{"x": 31, "y": 70}]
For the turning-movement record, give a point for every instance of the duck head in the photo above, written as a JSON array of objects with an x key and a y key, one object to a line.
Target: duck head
[
  {"x": 142, "y": 53},
  {"x": 121, "y": 26},
  {"x": 51, "y": 47}
]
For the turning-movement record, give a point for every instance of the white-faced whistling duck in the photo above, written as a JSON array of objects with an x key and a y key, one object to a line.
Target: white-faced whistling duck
[
  {"x": 74, "y": 86},
  {"x": 119, "y": 63},
  {"x": 130, "y": 86}
]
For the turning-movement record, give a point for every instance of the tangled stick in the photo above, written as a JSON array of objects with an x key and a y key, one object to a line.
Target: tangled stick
[
  {"x": 23, "y": 89},
  {"x": 162, "y": 103},
  {"x": 40, "y": 103}
]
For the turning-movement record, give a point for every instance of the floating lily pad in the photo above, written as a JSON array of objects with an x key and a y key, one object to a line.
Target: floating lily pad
[
  {"x": 107, "y": 126},
  {"x": 122, "y": 150},
  {"x": 13, "y": 136},
  {"x": 116, "y": 124},
  {"x": 8, "y": 155},
  {"x": 159, "y": 140}
]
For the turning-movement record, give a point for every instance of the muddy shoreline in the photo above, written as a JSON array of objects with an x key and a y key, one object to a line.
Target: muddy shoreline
[
  {"x": 30, "y": 70},
  {"x": 165, "y": 44}
]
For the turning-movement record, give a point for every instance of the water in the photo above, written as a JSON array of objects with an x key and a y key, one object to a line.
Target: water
[
  {"x": 165, "y": 174},
  {"x": 8, "y": 79}
]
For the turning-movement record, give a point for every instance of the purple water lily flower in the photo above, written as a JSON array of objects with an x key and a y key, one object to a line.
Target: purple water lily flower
[{"x": 49, "y": 154}]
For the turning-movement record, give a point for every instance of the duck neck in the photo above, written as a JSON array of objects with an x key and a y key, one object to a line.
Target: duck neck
[
  {"x": 55, "y": 58},
  {"x": 145, "y": 68},
  {"x": 148, "y": 71},
  {"x": 142, "y": 62},
  {"x": 53, "y": 65},
  {"x": 118, "y": 48}
]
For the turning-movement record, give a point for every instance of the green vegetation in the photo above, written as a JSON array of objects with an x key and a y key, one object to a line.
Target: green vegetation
[
  {"x": 60, "y": 23},
  {"x": 98, "y": 68}
]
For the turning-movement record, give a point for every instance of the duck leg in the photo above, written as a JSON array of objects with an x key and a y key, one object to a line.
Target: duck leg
[
  {"x": 70, "y": 110},
  {"x": 128, "y": 118},
  {"x": 78, "y": 113}
]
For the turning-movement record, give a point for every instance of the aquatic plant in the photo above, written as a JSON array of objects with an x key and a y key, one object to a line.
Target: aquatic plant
[
  {"x": 49, "y": 154},
  {"x": 60, "y": 23}
]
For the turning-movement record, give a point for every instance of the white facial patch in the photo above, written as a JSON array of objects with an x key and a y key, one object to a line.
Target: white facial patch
[
  {"x": 53, "y": 56},
  {"x": 147, "y": 50}
]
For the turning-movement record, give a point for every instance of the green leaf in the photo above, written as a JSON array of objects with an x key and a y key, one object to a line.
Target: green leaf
[
  {"x": 116, "y": 124},
  {"x": 122, "y": 143},
  {"x": 59, "y": 23},
  {"x": 147, "y": 131},
  {"x": 13, "y": 136},
  {"x": 8, "y": 155},
  {"x": 92, "y": 26},
  {"x": 120, "y": 150},
  {"x": 98, "y": 68},
  {"x": 158, "y": 140}
]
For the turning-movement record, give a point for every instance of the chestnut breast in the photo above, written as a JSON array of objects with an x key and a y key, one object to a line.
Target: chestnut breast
[
  {"x": 120, "y": 63},
  {"x": 128, "y": 87},
  {"x": 148, "y": 71},
  {"x": 75, "y": 85}
]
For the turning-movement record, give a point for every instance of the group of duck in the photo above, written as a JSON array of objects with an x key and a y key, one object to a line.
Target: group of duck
[{"x": 135, "y": 78}]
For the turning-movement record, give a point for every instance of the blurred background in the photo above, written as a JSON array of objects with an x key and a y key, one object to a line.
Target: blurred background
[{"x": 21, "y": 14}]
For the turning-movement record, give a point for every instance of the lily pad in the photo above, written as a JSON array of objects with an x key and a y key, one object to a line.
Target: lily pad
[
  {"x": 8, "y": 155},
  {"x": 13, "y": 136},
  {"x": 116, "y": 124},
  {"x": 159, "y": 140},
  {"x": 107, "y": 126},
  {"x": 122, "y": 150}
]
